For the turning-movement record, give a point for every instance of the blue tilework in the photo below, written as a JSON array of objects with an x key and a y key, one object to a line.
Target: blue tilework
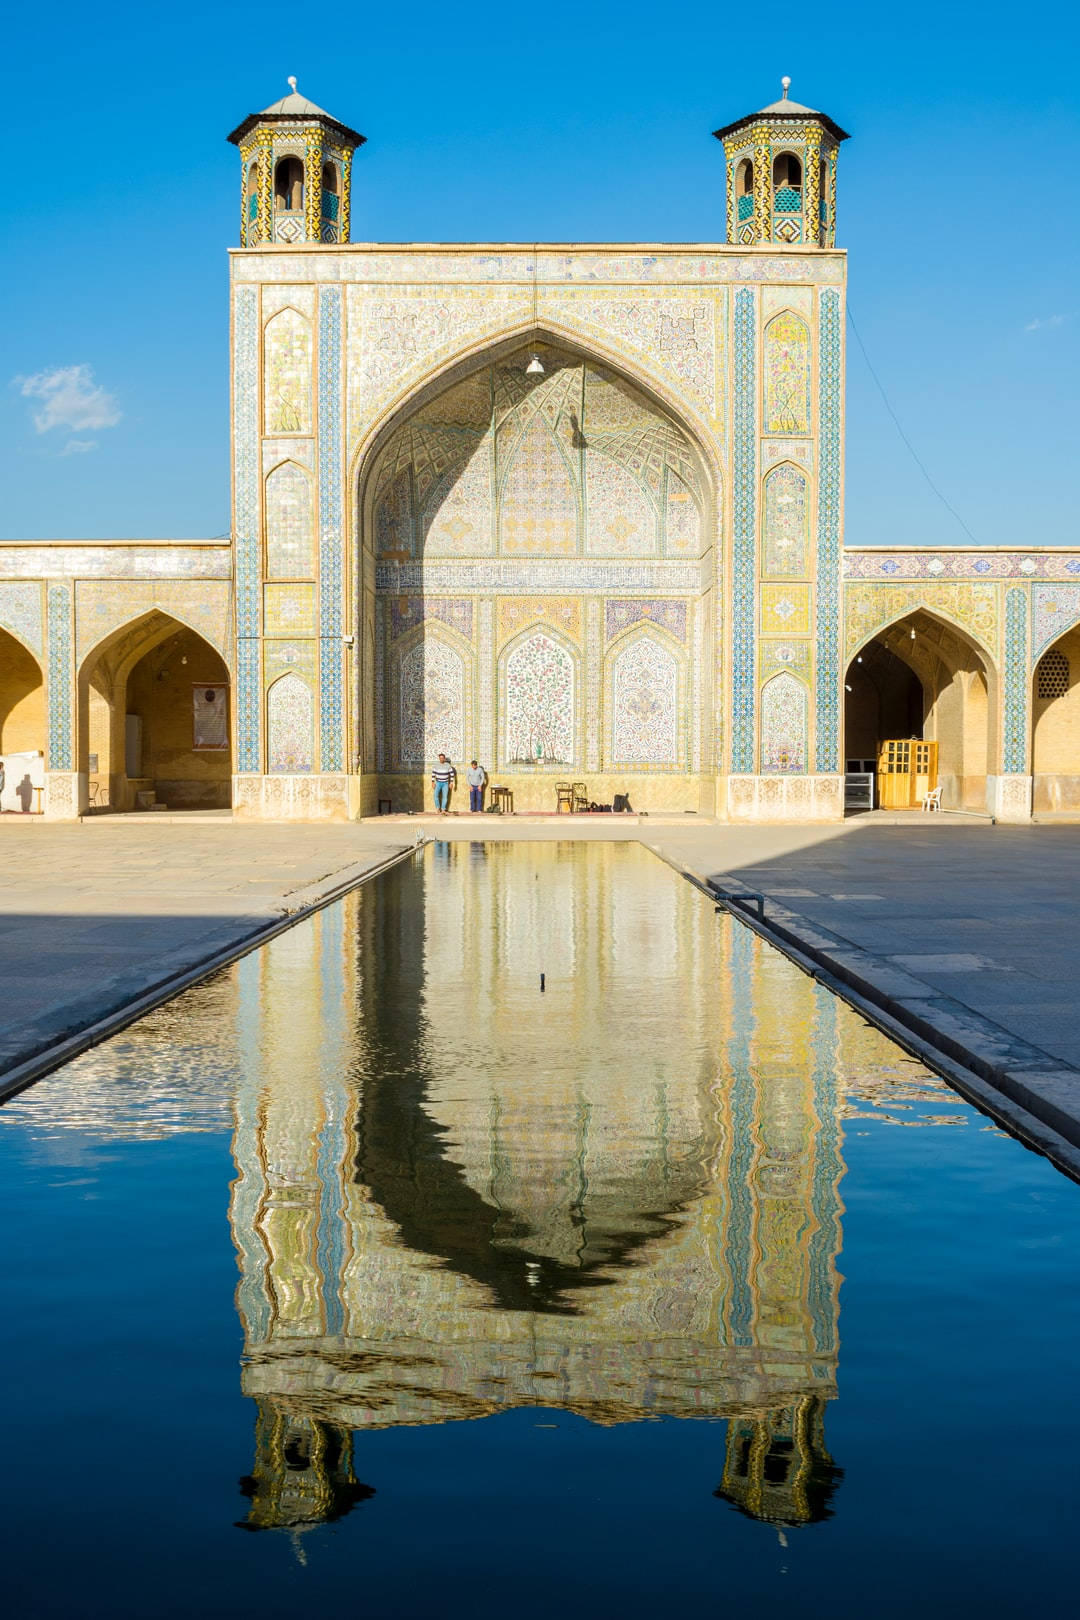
[
  {"x": 744, "y": 207},
  {"x": 1014, "y": 754},
  {"x": 743, "y": 536},
  {"x": 788, "y": 200},
  {"x": 61, "y": 677},
  {"x": 331, "y": 583},
  {"x": 828, "y": 560},
  {"x": 246, "y": 488}
]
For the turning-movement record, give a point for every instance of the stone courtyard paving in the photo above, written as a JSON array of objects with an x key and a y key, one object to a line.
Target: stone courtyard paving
[{"x": 92, "y": 915}]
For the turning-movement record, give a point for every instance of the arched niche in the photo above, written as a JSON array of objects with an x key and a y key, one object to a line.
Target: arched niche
[
  {"x": 1055, "y": 725},
  {"x": 23, "y": 724},
  {"x": 155, "y": 718},
  {"x": 923, "y": 676}
]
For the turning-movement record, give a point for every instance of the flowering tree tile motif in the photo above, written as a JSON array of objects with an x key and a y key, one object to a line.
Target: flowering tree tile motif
[
  {"x": 539, "y": 703},
  {"x": 432, "y": 697},
  {"x": 290, "y": 725},
  {"x": 645, "y": 686},
  {"x": 783, "y": 725},
  {"x": 787, "y": 375}
]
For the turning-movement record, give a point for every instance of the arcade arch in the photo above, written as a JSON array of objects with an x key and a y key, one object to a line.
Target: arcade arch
[
  {"x": 512, "y": 503},
  {"x": 154, "y": 723},
  {"x": 1055, "y": 725},
  {"x": 23, "y": 720},
  {"x": 924, "y": 677}
]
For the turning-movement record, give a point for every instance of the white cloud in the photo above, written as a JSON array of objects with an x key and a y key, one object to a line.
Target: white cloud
[
  {"x": 78, "y": 447},
  {"x": 1041, "y": 322},
  {"x": 71, "y": 400}
]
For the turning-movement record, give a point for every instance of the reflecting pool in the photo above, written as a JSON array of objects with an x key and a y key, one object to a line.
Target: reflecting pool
[{"x": 520, "y": 1235}]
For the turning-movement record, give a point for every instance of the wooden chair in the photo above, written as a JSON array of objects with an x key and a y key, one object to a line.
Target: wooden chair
[
  {"x": 564, "y": 798},
  {"x": 580, "y": 797}
]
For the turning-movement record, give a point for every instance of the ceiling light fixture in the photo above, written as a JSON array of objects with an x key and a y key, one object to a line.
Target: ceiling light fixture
[{"x": 535, "y": 367}]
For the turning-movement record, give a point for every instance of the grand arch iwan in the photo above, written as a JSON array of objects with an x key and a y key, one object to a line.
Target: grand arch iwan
[
  {"x": 153, "y": 717},
  {"x": 517, "y": 521},
  {"x": 922, "y": 675}
]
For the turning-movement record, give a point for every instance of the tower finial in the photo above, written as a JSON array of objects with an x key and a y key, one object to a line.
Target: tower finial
[
  {"x": 785, "y": 85},
  {"x": 291, "y": 82}
]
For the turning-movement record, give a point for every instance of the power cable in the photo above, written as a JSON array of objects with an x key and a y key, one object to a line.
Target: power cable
[{"x": 896, "y": 423}]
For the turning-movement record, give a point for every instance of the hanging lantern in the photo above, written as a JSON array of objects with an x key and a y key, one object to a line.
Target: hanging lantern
[{"x": 535, "y": 367}]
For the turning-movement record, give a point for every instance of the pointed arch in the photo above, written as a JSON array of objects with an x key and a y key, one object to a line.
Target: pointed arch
[
  {"x": 1054, "y": 700},
  {"x": 645, "y": 690},
  {"x": 785, "y": 712},
  {"x": 539, "y": 700},
  {"x": 24, "y": 725},
  {"x": 955, "y": 702},
  {"x": 289, "y": 504},
  {"x": 290, "y": 726},
  {"x": 154, "y": 715},
  {"x": 786, "y": 536},
  {"x": 431, "y": 673}
]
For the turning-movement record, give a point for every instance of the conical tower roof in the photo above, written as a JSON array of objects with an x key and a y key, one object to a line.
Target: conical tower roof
[
  {"x": 290, "y": 108},
  {"x": 780, "y": 110}
]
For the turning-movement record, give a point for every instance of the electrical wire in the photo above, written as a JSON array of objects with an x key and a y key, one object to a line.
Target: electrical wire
[{"x": 896, "y": 423}]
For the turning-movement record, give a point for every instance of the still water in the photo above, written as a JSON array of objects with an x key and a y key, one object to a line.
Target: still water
[{"x": 367, "y": 1273}]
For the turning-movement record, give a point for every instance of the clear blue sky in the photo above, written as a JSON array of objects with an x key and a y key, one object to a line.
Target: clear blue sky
[{"x": 957, "y": 204}]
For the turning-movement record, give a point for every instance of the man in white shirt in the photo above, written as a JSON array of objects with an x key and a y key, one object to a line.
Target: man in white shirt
[
  {"x": 443, "y": 776},
  {"x": 476, "y": 776}
]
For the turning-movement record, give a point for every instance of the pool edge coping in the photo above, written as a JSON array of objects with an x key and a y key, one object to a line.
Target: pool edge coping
[
  {"x": 292, "y": 908},
  {"x": 1019, "y": 1099}
]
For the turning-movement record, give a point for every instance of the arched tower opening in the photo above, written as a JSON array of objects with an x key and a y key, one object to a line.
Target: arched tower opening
[{"x": 1055, "y": 720}]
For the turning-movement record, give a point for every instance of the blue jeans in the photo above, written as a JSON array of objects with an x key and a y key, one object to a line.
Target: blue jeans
[
  {"x": 442, "y": 795},
  {"x": 476, "y": 797}
]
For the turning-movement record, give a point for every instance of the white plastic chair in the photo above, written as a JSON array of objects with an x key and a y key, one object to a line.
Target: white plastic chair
[{"x": 932, "y": 800}]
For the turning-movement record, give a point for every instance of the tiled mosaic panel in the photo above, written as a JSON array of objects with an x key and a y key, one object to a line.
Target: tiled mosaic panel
[
  {"x": 1054, "y": 609},
  {"x": 787, "y": 375},
  {"x": 61, "y": 677},
  {"x": 538, "y": 700},
  {"x": 432, "y": 698},
  {"x": 785, "y": 610},
  {"x": 290, "y": 610},
  {"x": 784, "y": 711},
  {"x": 331, "y": 535},
  {"x": 290, "y": 523},
  {"x": 20, "y": 612},
  {"x": 827, "y": 606},
  {"x": 645, "y": 687},
  {"x": 290, "y": 726},
  {"x": 246, "y": 522},
  {"x": 870, "y": 608},
  {"x": 573, "y": 461},
  {"x": 1014, "y": 741},
  {"x": 287, "y": 373},
  {"x": 620, "y": 615},
  {"x": 961, "y": 564},
  {"x": 786, "y": 544},
  {"x": 744, "y": 538},
  {"x": 406, "y": 612}
]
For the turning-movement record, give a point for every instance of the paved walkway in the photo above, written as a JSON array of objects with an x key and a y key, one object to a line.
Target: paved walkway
[
  {"x": 953, "y": 917},
  {"x": 92, "y": 916}
]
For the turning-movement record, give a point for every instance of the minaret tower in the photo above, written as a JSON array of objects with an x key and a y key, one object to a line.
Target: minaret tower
[
  {"x": 781, "y": 175},
  {"x": 297, "y": 166}
]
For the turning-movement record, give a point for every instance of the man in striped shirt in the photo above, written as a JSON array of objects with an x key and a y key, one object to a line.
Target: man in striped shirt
[{"x": 443, "y": 777}]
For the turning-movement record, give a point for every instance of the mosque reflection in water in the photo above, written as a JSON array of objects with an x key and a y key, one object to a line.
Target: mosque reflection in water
[{"x": 455, "y": 1195}]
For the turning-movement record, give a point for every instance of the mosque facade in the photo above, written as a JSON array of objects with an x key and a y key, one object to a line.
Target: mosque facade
[{"x": 573, "y": 510}]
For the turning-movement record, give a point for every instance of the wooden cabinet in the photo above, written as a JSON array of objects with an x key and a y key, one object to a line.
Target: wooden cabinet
[{"x": 906, "y": 773}]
